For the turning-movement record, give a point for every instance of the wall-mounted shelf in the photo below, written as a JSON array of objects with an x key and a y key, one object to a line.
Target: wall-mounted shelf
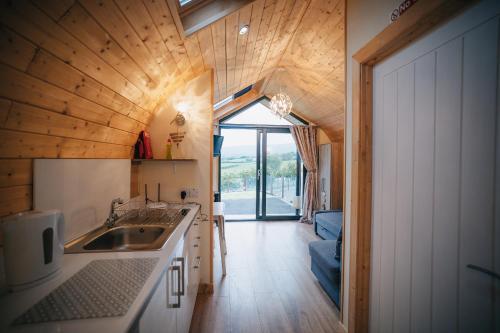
[{"x": 139, "y": 161}]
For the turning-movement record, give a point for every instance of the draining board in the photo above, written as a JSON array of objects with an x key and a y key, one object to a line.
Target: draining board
[{"x": 103, "y": 288}]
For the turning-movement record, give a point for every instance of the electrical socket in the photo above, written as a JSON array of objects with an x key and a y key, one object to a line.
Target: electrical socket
[
  {"x": 194, "y": 192},
  {"x": 191, "y": 192},
  {"x": 184, "y": 190}
]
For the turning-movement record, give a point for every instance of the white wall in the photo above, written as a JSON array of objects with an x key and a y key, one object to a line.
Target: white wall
[
  {"x": 81, "y": 188},
  {"x": 365, "y": 19},
  {"x": 195, "y": 98}
]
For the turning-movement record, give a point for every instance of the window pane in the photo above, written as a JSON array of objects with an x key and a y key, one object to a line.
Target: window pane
[
  {"x": 257, "y": 114},
  {"x": 281, "y": 174},
  {"x": 238, "y": 173}
]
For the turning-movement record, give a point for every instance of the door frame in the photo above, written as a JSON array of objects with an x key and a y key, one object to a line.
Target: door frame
[{"x": 420, "y": 19}]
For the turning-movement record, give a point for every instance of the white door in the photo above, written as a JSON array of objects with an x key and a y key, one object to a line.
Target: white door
[{"x": 436, "y": 181}]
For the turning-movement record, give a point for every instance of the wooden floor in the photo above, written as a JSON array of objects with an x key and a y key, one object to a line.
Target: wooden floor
[{"x": 269, "y": 286}]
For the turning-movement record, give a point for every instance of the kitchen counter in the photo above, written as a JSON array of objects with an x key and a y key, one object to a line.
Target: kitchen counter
[{"x": 14, "y": 304}]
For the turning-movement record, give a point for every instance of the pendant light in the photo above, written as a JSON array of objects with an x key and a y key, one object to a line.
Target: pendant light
[{"x": 281, "y": 104}]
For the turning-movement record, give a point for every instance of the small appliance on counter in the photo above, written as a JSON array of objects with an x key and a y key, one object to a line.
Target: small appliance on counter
[{"x": 33, "y": 247}]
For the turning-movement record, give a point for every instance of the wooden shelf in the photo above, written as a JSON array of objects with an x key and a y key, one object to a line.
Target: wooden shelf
[{"x": 139, "y": 161}]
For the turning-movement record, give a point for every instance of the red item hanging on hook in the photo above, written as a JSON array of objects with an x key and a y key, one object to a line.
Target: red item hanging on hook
[{"x": 143, "y": 146}]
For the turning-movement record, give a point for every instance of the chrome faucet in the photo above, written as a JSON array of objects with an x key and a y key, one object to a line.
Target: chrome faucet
[{"x": 110, "y": 222}]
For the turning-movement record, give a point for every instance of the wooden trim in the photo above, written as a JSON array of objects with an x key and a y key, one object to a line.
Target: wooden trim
[
  {"x": 237, "y": 104},
  {"x": 360, "y": 244},
  {"x": 344, "y": 166},
  {"x": 211, "y": 205},
  {"x": 206, "y": 289},
  {"x": 416, "y": 22},
  {"x": 173, "y": 6}
]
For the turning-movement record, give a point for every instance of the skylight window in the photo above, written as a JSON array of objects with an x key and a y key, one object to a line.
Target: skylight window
[
  {"x": 184, "y": 2},
  {"x": 223, "y": 102}
]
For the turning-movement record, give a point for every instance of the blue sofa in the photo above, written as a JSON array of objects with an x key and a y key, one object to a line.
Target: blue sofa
[{"x": 325, "y": 254}]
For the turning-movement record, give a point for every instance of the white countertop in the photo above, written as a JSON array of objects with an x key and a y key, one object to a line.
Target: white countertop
[{"x": 14, "y": 304}]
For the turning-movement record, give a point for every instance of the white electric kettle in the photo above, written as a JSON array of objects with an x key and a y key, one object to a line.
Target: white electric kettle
[{"x": 33, "y": 247}]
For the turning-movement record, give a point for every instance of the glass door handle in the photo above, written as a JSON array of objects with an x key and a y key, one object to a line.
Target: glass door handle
[
  {"x": 485, "y": 271},
  {"x": 259, "y": 173}
]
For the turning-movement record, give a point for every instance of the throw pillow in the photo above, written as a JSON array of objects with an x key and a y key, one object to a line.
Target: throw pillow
[{"x": 338, "y": 247}]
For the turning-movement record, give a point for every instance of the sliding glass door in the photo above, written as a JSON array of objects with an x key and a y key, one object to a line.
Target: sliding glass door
[
  {"x": 238, "y": 171},
  {"x": 260, "y": 170},
  {"x": 280, "y": 181},
  {"x": 259, "y": 174}
]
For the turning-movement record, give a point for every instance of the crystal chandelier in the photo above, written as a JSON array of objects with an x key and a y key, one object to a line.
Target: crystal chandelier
[{"x": 281, "y": 104}]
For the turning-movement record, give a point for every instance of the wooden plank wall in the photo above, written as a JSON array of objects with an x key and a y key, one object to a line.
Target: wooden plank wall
[
  {"x": 79, "y": 80},
  {"x": 15, "y": 185}
]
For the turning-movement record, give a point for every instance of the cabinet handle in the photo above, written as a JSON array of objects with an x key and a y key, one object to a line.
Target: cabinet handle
[
  {"x": 198, "y": 237},
  {"x": 195, "y": 224},
  {"x": 170, "y": 287},
  {"x": 195, "y": 245},
  {"x": 182, "y": 261}
]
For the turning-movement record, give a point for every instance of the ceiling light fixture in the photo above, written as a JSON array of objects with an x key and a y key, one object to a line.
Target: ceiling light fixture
[
  {"x": 244, "y": 29},
  {"x": 281, "y": 104}
]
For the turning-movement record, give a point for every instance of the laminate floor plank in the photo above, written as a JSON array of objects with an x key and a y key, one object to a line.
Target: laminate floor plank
[
  {"x": 272, "y": 314},
  {"x": 269, "y": 286},
  {"x": 244, "y": 314}
]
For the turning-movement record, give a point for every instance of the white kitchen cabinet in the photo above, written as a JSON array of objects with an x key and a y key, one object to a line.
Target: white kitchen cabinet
[
  {"x": 194, "y": 260},
  {"x": 171, "y": 307},
  {"x": 159, "y": 316},
  {"x": 189, "y": 252}
]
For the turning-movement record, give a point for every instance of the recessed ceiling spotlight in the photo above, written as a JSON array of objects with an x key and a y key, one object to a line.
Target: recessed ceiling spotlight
[{"x": 244, "y": 29}]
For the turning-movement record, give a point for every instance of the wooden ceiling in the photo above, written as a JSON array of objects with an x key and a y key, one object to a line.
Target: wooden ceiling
[
  {"x": 304, "y": 37},
  {"x": 96, "y": 70},
  {"x": 314, "y": 67}
]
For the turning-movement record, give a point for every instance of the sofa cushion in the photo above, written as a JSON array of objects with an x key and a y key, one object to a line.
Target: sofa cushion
[
  {"x": 323, "y": 253},
  {"x": 328, "y": 224}
]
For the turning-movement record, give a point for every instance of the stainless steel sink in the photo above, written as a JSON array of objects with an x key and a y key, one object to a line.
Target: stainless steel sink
[
  {"x": 121, "y": 238},
  {"x": 126, "y": 238},
  {"x": 144, "y": 231}
]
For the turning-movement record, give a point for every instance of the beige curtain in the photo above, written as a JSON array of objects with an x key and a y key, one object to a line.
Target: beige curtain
[{"x": 305, "y": 139}]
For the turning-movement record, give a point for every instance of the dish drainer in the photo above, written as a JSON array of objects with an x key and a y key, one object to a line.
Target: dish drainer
[{"x": 136, "y": 212}]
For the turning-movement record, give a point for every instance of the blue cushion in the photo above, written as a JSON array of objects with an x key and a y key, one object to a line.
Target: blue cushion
[
  {"x": 332, "y": 289},
  {"x": 323, "y": 254},
  {"x": 328, "y": 224}
]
